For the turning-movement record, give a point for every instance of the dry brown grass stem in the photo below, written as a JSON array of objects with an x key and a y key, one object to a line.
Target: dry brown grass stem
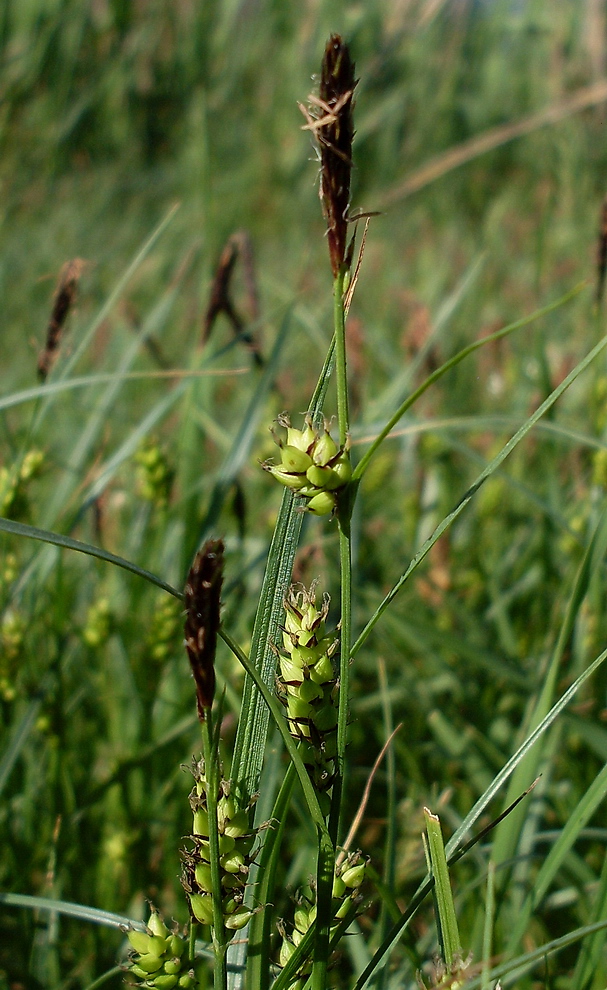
[{"x": 584, "y": 98}]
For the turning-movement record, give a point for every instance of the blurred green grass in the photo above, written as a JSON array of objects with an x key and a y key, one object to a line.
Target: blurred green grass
[{"x": 112, "y": 112}]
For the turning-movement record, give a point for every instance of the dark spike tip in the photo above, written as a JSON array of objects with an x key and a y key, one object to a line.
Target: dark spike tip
[
  {"x": 202, "y": 604},
  {"x": 334, "y": 129}
]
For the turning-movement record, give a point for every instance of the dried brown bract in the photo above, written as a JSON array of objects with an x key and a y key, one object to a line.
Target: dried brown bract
[
  {"x": 330, "y": 119},
  {"x": 202, "y": 603},
  {"x": 65, "y": 294},
  {"x": 238, "y": 246}
]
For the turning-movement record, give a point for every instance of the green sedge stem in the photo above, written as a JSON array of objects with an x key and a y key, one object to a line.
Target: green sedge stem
[
  {"x": 192, "y": 942},
  {"x": 339, "y": 322},
  {"x": 345, "y": 556},
  {"x": 211, "y": 764}
]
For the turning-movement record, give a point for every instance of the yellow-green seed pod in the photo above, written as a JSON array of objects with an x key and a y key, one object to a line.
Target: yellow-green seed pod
[
  {"x": 202, "y": 908},
  {"x": 165, "y": 982},
  {"x": 176, "y": 945},
  {"x": 293, "y": 481},
  {"x": 321, "y": 504},
  {"x": 344, "y": 909},
  {"x": 232, "y": 862},
  {"x": 309, "y": 691},
  {"x": 187, "y": 981},
  {"x": 322, "y": 672},
  {"x": 226, "y": 809},
  {"x": 286, "y": 951},
  {"x": 138, "y": 972},
  {"x": 226, "y": 844},
  {"x": 294, "y": 460},
  {"x": 202, "y": 874},
  {"x": 325, "y": 718},
  {"x": 325, "y": 448},
  {"x": 297, "y": 708},
  {"x": 238, "y": 919},
  {"x": 172, "y": 966},
  {"x": 343, "y": 469},
  {"x": 201, "y": 822},
  {"x": 302, "y": 919},
  {"x": 150, "y": 963},
  {"x": 291, "y": 672},
  {"x": 238, "y": 824},
  {"x": 157, "y": 925},
  {"x": 339, "y": 888},
  {"x": 245, "y": 843},
  {"x": 354, "y": 876},
  {"x": 322, "y": 478},
  {"x": 140, "y": 941}
]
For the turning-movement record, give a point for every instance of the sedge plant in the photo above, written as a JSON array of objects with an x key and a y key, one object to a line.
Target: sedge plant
[{"x": 296, "y": 692}]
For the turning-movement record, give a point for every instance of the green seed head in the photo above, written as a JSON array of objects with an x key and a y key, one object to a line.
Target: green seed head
[
  {"x": 325, "y": 448},
  {"x": 321, "y": 504},
  {"x": 202, "y": 873},
  {"x": 238, "y": 919},
  {"x": 165, "y": 982},
  {"x": 201, "y": 906}
]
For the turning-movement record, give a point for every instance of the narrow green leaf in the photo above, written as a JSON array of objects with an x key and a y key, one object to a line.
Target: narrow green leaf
[
  {"x": 453, "y": 848},
  {"x": 576, "y": 821},
  {"x": 447, "y": 918},
  {"x": 253, "y": 722},
  {"x": 18, "y": 739},
  {"x": 466, "y": 498},
  {"x": 67, "y": 543}
]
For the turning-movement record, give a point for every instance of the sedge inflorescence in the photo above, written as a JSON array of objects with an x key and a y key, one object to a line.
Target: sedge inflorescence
[
  {"x": 236, "y": 840},
  {"x": 345, "y": 902},
  {"x": 311, "y": 464},
  {"x": 159, "y": 958},
  {"x": 308, "y": 684}
]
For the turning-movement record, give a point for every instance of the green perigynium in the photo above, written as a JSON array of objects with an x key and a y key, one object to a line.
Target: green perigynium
[
  {"x": 159, "y": 958},
  {"x": 349, "y": 876},
  {"x": 308, "y": 684},
  {"x": 236, "y": 841},
  {"x": 311, "y": 464}
]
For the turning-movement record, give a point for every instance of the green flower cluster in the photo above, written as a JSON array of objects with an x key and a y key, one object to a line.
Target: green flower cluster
[
  {"x": 349, "y": 876},
  {"x": 97, "y": 627},
  {"x": 157, "y": 957},
  {"x": 12, "y": 635},
  {"x": 14, "y": 484},
  {"x": 155, "y": 475},
  {"x": 308, "y": 684},
  {"x": 236, "y": 841},
  {"x": 164, "y": 631},
  {"x": 311, "y": 465}
]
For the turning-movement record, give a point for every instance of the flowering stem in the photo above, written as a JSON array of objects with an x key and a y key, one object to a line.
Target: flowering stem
[
  {"x": 211, "y": 762},
  {"x": 345, "y": 556}
]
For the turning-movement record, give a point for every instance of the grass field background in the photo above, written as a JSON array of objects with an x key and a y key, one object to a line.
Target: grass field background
[{"x": 111, "y": 115}]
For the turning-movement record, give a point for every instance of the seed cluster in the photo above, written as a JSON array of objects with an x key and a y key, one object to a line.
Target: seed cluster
[
  {"x": 236, "y": 840},
  {"x": 308, "y": 685},
  {"x": 311, "y": 464},
  {"x": 349, "y": 876},
  {"x": 157, "y": 957}
]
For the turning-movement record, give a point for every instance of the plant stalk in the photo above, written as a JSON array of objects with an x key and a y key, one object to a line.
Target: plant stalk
[{"x": 211, "y": 762}]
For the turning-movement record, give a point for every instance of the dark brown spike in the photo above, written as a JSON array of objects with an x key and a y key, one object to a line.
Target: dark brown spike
[
  {"x": 334, "y": 129},
  {"x": 202, "y": 603},
  {"x": 65, "y": 294}
]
